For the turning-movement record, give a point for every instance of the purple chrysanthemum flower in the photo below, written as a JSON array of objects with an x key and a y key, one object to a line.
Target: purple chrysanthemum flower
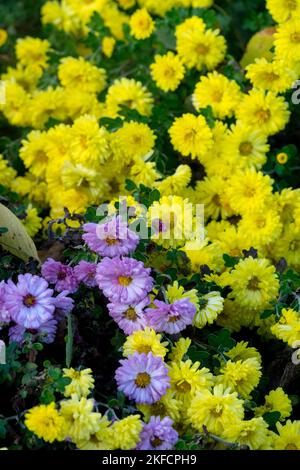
[
  {"x": 171, "y": 318},
  {"x": 124, "y": 280},
  {"x": 63, "y": 304},
  {"x": 143, "y": 378},
  {"x": 29, "y": 302},
  {"x": 112, "y": 238},
  {"x": 62, "y": 276},
  {"x": 85, "y": 272},
  {"x": 130, "y": 318},
  {"x": 158, "y": 434},
  {"x": 45, "y": 333},
  {"x": 4, "y": 313}
]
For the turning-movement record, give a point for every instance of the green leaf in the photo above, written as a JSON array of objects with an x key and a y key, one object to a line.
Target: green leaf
[
  {"x": 69, "y": 341},
  {"x": 271, "y": 417},
  {"x": 230, "y": 261},
  {"x": 16, "y": 239}
]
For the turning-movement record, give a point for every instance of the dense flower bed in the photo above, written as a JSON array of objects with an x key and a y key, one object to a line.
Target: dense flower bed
[{"x": 146, "y": 324}]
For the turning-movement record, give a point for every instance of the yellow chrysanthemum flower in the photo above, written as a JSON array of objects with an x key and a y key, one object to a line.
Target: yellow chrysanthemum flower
[
  {"x": 241, "y": 376},
  {"x": 141, "y": 24},
  {"x": 166, "y": 406},
  {"x": 46, "y": 422},
  {"x": 187, "y": 378},
  {"x": 248, "y": 191},
  {"x": 263, "y": 110},
  {"x": 287, "y": 40},
  {"x": 145, "y": 341},
  {"x": 167, "y": 71},
  {"x": 215, "y": 410},
  {"x": 200, "y": 48},
  {"x": 32, "y": 222},
  {"x": 246, "y": 146},
  {"x": 80, "y": 419},
  {"x": 288, "y": 327},
  {"x": 191, "y": 135},
  {"x": 133, "y": 140},
  {"x": 126, "y": 432},
  {"x": 217, "y": 91},
  {"x": 254, "y": 283},
  {"x": 81, "y": 384},
  {"x": 130, "y": 93},
  {"x": 32, "y": 51},
  {"x": 288, "y": 437},
  {"x": 282, "y": 10},
  {"x": 273, "y": 76},
  {"x": 210, "y": 306},
  {"x": 276, "y": 400},
  {"x": 252, "y": 433},
  {"x": 241, "y": 351},
  {"x": 79, "y": 73}
]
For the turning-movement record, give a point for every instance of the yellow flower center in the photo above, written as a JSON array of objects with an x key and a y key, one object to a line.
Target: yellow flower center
[
  {"x": 156, "y": 441},
  {"x": 216, "y": 200},
  {"x": 111, "y": 241},
  {"x": 217, "y": 95},
  {"x": 29, "y": 300},
  {"x": 291, "y": 4},
  {"x": 124, "y": 280},
  {"x": 245, "y": 148},
  {"x": 217, "y": 411},
  {"x": 263, "y": 115},
  {"x": 183, "y": 386},
  {"x": 130, "y": 314},
  {"x": 249, "y": 192},
  {"x": 253, "y": 284},
  {"x": 291, "y": 447},
  {"x": 142, "y": 380},
  {"x": 202, "y": 49},
  {"x": 173, "y": 319},
  {"x": 282, "y": 158},
  {"x": 144, "y": 348},
  {"x": 260, "y": 223},
  {"x": 270, "y": 76},
  {"x": 295, "y": 37},
  {"x": 235, "y": 252},
  {"x": 169, "y": 72}
]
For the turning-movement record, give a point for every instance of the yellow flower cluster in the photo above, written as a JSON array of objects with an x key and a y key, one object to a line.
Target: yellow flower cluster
[
  {"x": 196, "y": 401},
  {"x": 74, "y": 418}
]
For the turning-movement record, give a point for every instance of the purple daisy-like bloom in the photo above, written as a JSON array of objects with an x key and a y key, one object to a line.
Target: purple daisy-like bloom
[
  {"x": 124, "y": 280},
  {"x": 85, "y": 272},
  {"x": 30, "y": 301},
  {"x": 45, "y": 333},
  {"x": 62, "y": 276},
  {"x": 130, "y": 318},
  {"x": 63, "y": 305},
  {"x": 171, "y": 318},
  {"x": 4, "y": 313},
  {"x": 143, "y": 378},
  {"x": 112, "y": 238},
  {"x": 158, "y": 434}
]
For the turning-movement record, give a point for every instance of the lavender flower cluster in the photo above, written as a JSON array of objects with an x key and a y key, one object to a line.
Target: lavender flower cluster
[{"x": 36, "y": 304}]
